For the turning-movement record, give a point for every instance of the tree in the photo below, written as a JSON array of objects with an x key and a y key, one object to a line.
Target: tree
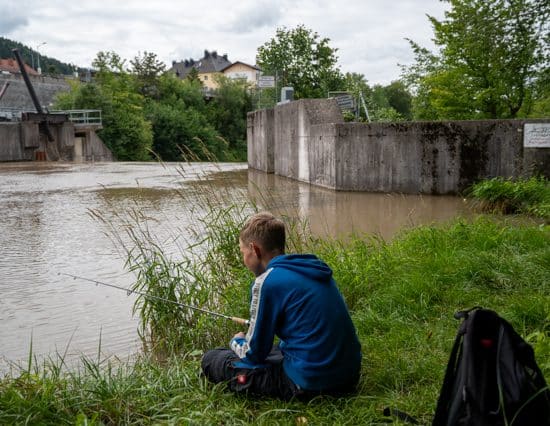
[
  {"x": 194, "y": 75},
  {"x": 147, "y": 69},
  {"x": 182, "y": 132},
  {"x": 227, "y": 111},
  {"x": 303, "y": 60},
  {"x": 491, "y": 54},
  {"x": 125, "y": 130},
  {"x": 399, "y": 98}
]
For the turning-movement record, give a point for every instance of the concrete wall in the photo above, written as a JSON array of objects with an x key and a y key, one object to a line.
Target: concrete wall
[
  {"x": 12, "y": 151},
  {"x": 94, "y": 149},
  {"x": 24, "y": 141},
  {"x": 311, "y": 143},
  {"x": 292, "y": 134},
  {"x": 260, "y": 139},
  {"x": 17, "y": 96}
]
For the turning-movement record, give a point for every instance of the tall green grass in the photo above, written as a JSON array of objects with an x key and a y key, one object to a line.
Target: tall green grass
[
  {"x": 499, "y": 195},
  {"x": 402, "y": 295}
]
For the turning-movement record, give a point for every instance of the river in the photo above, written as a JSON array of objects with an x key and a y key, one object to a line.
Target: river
[{"x": 49, "y": 225}]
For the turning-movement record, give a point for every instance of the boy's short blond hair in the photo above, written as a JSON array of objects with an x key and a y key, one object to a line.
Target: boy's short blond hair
[{"x": 265, "y": 230}]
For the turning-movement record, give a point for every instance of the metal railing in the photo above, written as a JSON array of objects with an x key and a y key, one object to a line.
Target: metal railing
[
  {"x": 83, "y": 116},
  {"x": 10, "y": 114}
]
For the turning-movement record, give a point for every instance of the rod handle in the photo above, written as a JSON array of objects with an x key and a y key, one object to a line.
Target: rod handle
[{"x": 240, "y": 321}]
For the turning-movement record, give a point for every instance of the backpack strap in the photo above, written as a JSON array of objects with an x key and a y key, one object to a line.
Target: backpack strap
[{"x": 444, "y": 400}]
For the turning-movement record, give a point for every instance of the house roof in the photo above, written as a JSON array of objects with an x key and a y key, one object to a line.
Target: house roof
[
  {"x": 241, "y": 63},
  {"x": 209, "y": 63},
  {"x": 12, "y": 66}
]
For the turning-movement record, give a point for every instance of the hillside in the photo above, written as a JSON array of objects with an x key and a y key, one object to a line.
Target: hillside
[{"x": 48, "y": 65}]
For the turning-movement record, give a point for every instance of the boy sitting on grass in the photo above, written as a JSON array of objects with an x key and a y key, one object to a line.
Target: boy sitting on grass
[{"x": 295, "y": 298}]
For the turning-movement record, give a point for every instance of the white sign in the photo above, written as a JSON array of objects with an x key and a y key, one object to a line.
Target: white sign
[
  {"x": 536, "y": 135},
  {"x": 345, "y": 101},
  {"x": 266, "y": 81}
]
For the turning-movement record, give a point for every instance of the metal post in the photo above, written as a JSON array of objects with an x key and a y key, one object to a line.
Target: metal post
[
  {"x": 276, "y": 78},
  {"x": 34, "y": 98},
  {"x": 38, "y": 57}
]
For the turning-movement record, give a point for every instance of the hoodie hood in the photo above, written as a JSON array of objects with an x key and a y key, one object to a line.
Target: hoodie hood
[{"x": 308, "y": 265}]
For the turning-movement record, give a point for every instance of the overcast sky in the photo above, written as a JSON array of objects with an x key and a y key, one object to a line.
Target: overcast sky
[{"x": 369, "y": 34}]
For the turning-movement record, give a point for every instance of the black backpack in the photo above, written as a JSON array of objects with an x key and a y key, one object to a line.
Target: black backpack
[{"x": 492, "y": 378}]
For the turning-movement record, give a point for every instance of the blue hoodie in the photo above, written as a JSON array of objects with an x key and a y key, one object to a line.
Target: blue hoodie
[{"x": 297, "y": 300}]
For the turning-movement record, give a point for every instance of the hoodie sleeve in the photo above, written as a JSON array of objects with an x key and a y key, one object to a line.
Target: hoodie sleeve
[{"x": 257, "y": 344}]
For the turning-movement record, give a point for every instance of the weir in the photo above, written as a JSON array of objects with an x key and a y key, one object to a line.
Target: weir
[
  {"x": 41, "y": 135},
  {"x": 309, "y": 141},
  {"x": 25, "y": 140}
]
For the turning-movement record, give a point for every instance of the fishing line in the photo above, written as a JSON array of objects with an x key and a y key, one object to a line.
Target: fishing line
[{"x": 128, "y": 291}]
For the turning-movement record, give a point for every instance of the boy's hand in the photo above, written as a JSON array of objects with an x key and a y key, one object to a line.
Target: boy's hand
[{"x": 239, "y": 335}]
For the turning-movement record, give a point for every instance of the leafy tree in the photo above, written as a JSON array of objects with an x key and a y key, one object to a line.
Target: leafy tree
[
  {"x": 182, "y": 133},
  {"x": 227, "y": 111},
  {"x": 147, "y": 69},
  {"x": 175, "y": 91},
  {"x": 540, "y": 102},
  {"x": 194, "y": 75},
  {"x": 125, "y": 130},
  {"x": 356, "y": 83},
  {"x": 399, "y": 98},
  {"x": 385, "y": 103},
  {"x": 491, "y": 54},
  {"x": 303, "y": 60}
]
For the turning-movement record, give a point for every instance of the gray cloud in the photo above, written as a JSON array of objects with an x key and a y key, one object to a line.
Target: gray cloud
[
  {"x": 11, "y": 18},
  {"x": 254, "y": 16}
]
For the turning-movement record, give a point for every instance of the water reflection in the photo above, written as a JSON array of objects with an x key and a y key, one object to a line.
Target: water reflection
[
  {"x": 46, "y": 227},
  {"x": 339, "y": 213}
]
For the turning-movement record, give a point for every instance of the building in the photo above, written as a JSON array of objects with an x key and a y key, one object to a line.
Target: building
[
  {"x": 241, "y": 71},
  {"x": 11, "y": 66},
  {"x": 211, "y": 65}
]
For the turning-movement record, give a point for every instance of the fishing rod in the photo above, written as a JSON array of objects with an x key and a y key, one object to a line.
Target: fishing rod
[{"x": 238, "y": 320}]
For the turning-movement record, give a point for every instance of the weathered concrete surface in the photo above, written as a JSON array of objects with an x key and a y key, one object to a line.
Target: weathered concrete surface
[
  {"x": 260, "y": 139},
  {"x": 94, "y": 149},
  {"x": 10, "y": 142},
  {"x": 293, "y": 123},
  {"x": 23, "y": 141},
  {"x": 17, "y": 96},
  {"x": 312, "y": 144}
]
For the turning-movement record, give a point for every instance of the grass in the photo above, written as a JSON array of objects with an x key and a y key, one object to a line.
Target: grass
[
  {"x": 528, "y": 196},
  {"x": 402, "y": 295}
]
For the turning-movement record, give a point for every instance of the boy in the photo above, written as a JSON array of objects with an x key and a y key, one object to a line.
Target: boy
[{"x": 295, "y": 298}]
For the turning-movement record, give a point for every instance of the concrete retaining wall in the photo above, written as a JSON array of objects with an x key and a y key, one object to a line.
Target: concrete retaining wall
[
  {"x": 11, "y": 151},
  {"x": 23, "y": 141},
  {"x": 260, "y": 139},
  {"x": 17, "y": 96},
  {"x": 311, "y": 143}
]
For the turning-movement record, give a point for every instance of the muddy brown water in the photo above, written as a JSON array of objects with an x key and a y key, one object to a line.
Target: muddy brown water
[{"x": 46, "y": 228}]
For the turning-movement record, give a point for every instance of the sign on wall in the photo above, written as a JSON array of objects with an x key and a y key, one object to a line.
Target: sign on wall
[
  {"x": 266, "y": 81},
  {"x": 536, "y": 135}
]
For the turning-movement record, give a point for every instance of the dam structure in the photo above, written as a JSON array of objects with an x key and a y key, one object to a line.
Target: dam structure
[
  {"x": 28, "y": 135},
  {"x": 309, "y": 141}
]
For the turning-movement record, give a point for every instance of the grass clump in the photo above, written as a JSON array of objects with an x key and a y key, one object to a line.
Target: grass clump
[{"x": 499, "y": 195}]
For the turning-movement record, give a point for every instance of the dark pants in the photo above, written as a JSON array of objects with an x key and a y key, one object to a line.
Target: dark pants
[{"x": 217, "y": 366}]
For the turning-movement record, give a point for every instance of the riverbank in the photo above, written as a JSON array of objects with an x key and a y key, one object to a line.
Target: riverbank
[{"x": 402, "y": 295}]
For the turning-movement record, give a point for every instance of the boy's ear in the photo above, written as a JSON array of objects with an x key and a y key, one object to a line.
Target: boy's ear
[{"x": 257, "y": 250}]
